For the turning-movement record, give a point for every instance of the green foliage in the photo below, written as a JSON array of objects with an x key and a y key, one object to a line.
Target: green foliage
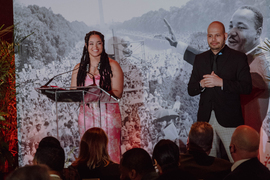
[
  {"x": 7, "y": 69},
  {"x": 8, "y": 115}
]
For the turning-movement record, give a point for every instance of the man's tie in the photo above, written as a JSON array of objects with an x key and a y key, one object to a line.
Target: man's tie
[{"x": 214, "y": 68}]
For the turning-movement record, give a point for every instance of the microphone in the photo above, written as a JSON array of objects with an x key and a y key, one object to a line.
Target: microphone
[
  {"x": 59, "y": 75},
  {"x": 87, "y": 68},
  {"x": 87, "y": 71}
]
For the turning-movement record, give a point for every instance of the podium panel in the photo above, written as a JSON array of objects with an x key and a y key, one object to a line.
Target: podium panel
[{"x": 83, "y": 95}]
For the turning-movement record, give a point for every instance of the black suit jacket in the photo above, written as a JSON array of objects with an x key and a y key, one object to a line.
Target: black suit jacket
[
  {"x": 203, "y": 166},
  {"x": 233, "y": 68},
  {"x": 251, "y": 169}
]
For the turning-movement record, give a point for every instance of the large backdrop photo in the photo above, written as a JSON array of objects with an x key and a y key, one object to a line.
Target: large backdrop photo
[{"x": 140, "y": 35}]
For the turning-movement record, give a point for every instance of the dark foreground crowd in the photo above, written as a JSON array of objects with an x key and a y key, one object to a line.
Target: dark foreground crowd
[{"x": 167, "y": 162}]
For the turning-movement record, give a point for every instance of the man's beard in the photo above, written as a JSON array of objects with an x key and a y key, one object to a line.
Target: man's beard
[{"x": 216, "y": 48}]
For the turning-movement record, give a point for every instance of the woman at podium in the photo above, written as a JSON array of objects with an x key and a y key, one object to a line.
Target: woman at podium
[{"x": 97, "y": 68}]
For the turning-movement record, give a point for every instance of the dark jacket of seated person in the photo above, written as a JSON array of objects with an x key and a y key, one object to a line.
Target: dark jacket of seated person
[
  {"x": 176, "y": 174},
  {"x": 203, "y": 166},
  {"x": 249, "y": 170},
  {"x": 103, "y": 172}
]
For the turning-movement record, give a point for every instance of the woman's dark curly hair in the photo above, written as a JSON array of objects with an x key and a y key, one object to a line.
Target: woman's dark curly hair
[{"x": 104, "y": 67}]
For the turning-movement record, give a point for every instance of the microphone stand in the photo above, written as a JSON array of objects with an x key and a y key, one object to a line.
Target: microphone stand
[
  {"x": 57, "y": 76},
  {"x": 94, "y": 84}
]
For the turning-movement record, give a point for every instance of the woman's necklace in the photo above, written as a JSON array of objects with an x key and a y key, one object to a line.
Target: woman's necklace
[
  {"x": 93, "y": 69},
  {"x": 97, "y": 66}
]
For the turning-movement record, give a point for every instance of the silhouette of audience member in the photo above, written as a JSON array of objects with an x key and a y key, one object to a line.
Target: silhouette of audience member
[
  {"x": 166, "y": 159},
  {"x": 244, "y": 149},
  {"x": 49, "y": 141},
  {"x": 197, "y": 160},
  {"x": 52, "y": 145},
  {"x": 136, "y": 164},
  {"x": 34, "y": 172},
  {"x": 54, "y": 158},
  {"x": 94, "y": 160}
]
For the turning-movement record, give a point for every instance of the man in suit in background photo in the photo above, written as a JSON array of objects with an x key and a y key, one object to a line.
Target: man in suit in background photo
[{"x": 219, "y": 76}]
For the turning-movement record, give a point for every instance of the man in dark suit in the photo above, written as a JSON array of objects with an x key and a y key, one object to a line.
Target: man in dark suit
[
  {"x": 197, "y": 160},
  {"x": 244, "y": 149},
  {"x": 220, "y": 75}
]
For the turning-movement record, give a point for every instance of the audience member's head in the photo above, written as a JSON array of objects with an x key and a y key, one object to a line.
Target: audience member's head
[
  {"x": 135, "y": 163},
  {"x": 49, "y": 141},
  {"x": 93, "y": 149},
  {"x": 53, "y": 157},
  {"x": 200, "y": 137},
  {"x": 244, "y": 143},
  {"x": 166, "y": 155},
  {"x": 40, "y": 172}
]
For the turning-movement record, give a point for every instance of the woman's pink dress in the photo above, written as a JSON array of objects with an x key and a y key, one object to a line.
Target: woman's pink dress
[{"x": 110, "y": 121}]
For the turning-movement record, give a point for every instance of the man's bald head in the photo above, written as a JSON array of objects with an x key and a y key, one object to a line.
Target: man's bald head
[
  {"x": 217, "y": 24},
  {"x": 246, "y": 138},
  {"x": 216, "y": 36}
]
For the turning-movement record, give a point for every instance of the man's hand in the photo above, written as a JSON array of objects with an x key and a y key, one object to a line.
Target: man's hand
[
  {"x": 211, "y": 80},
  {"x": 202, "y": 83},
  {"x": 172, "y": 40}
]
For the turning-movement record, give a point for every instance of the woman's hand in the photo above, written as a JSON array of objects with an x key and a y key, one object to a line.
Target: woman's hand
[{"x": 74, "y": 77}]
